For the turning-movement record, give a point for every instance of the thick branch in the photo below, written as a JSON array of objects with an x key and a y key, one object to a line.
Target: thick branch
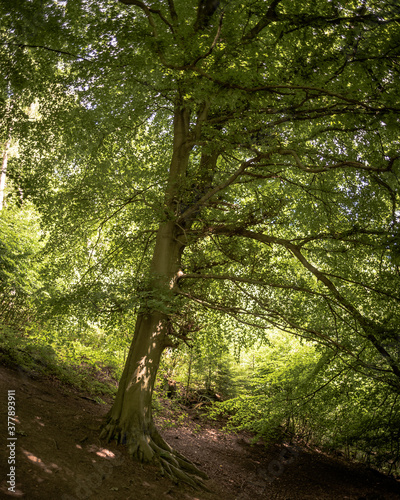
[
  {"x": 368, "y": 326},
  {"x": 145, "y": 9},
  {"x": 275, "y": 88},
  {"x": 224, "y": 184},
  {"x": 214, "y": 43},
  {"x": 237, "y": 279},
  {"x": 174, "y": 15},
  {"x": 205, "y": 10},
  {"x": 269, "y": 18},
  {"x": 341, "y": 164}
]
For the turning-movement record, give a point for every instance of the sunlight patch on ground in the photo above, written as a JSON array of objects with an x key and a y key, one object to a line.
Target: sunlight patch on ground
[
  {"x": 101, "y": 452},
  {"x": 36, "y": 460},
  {"x": 15, "y": 494},
  {"x": 38, "y": 421},
  {"x": 212, "y": 434}
]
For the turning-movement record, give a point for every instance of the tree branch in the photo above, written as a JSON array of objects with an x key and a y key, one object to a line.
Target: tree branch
[
  {"x": 145, "y": 9},
  {"x": 214, "y": 43},
  {"x": 223, "y": 185},
  {"x": 174, "y": 15},
  {"x": 250, "y": 281},
  {"x": 351, "y": 164},
  {"x": 269, "y": 18},
  {"x": 369, "y": 327},
  {"x": 205, "y": 11},
  {"x": 277, "y": 87},
  {"x": 58, "y": 51}
]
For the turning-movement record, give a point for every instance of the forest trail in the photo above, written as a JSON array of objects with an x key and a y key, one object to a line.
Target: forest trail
[{"x": 59, "y": 456}]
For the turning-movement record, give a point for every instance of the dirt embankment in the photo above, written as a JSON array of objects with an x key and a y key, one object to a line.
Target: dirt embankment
[{"x": 58, "y": 456}]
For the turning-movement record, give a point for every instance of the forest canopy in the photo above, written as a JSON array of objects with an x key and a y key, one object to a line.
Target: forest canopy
[{"x": 207, "y": 174}]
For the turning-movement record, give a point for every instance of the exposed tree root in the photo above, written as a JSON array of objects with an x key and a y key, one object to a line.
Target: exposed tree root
[{"x": 149, "y": 446}]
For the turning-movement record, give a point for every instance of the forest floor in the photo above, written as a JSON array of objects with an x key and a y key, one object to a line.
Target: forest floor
[{"x": 59, "y": 456}]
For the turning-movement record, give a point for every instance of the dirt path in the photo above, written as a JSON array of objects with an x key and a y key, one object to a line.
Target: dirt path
[{"x": 59, "y": 457}]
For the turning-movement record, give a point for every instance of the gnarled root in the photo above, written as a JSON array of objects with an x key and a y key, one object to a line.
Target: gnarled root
[{"x": 149, "y": 446}]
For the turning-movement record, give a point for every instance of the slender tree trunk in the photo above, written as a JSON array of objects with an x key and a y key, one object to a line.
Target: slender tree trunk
[
  {"x": 189, "y": 374},
  {"x": 209, "y": 371},
  {"x": 3, "y": 174},
  {"x": 130, "y": 419}
]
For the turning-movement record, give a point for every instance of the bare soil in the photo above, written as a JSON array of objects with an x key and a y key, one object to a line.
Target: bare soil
[{"x": 60, "y": 457}]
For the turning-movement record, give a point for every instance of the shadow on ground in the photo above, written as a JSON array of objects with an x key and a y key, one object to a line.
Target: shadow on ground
[{"x": 60, "y": 457}]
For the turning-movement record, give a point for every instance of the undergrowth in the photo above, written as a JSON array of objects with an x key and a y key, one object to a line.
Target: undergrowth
[{"x": 72, "y": 364}]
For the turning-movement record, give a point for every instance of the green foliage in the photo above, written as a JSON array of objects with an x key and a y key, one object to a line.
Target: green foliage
[
  {"x": 170, "y": 414},
  {"x": 293, "y": 392},
  {"x": 20, "y": 280},
  {"x": 267, "y": 134},
  {"x": 50, "y": 353}
]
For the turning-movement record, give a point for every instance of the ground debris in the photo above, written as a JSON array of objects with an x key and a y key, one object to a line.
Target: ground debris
[{"x": 59, "y": 455}]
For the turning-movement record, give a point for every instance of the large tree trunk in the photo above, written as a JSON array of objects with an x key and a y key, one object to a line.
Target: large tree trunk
[{"x": 130, "y": 419}]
